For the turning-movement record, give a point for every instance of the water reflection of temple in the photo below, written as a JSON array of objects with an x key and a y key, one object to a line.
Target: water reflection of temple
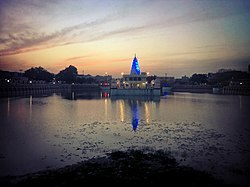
[
  {"x": 135, "y": 114},
  {"x": 104, "y": 94},
  {"x": 136, "y": 110}
]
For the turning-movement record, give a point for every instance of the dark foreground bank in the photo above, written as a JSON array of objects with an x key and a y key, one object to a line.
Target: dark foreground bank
[{"x": 131, "y": 167}]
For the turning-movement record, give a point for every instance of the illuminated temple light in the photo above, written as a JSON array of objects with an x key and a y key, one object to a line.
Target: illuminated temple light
[{"x": 135, "y": 69}]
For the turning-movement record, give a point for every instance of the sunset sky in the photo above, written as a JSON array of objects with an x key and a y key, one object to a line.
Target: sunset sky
[{"x": 178, "y": 37}]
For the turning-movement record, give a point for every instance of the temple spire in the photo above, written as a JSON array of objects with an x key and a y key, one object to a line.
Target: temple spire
[{"x": 135, "y": 69}]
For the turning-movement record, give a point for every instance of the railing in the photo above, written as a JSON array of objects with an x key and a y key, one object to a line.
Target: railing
[{"x": 236, "y": 90}]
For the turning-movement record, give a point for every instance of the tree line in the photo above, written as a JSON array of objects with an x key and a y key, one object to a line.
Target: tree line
[
  {"x": 219, "y": 78},
  {"x": 68, "y": 75}
]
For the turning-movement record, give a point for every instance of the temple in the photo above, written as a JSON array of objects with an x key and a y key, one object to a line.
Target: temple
[{"x": 135, "y": 83}]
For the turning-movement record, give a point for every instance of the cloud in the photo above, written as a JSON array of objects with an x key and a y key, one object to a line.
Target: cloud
[
  {"x": 26, "y": 42},
  {"x": 203, "y": 11},
  {"x": 26, "y": 38},
  {"x": 121, "y": 31},
  {"x": 190, "y": 53},
  {"x": 30, "y": 41},
  {"x": 19, "y": 15},
  {"x": 76, "y": 58},
  {"x": 121, "y": 60}
]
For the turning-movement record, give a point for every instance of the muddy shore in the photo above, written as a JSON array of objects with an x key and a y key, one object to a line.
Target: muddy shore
[{"x": 119, "y": 167}]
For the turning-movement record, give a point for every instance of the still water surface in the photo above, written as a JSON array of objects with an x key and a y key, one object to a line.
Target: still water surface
[{"x": 205, "y": 131}]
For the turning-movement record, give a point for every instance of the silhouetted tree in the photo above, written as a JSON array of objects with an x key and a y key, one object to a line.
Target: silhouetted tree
[
  {"x": 198, "y": 78},
  {"x": 150, "y": 78},
  {"x": 39, "y": 73},
  {"x": 68, "y": 75},
  {"x": 224, "y": 78}
]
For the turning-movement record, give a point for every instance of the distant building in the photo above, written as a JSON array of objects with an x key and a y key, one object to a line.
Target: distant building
[
  {"x": 166, "y": 81},
  {"x": 103, "y": 79},
  {"x": 182, "y": 80}
]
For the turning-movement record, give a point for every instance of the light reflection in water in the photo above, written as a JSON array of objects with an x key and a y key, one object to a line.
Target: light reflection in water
[
  {"x": 240, "y": 102},
  {"x": 105, "y": 94},
  {"x": 30, "y": 105},
  {"x": 121, "y": 104},
  {"x": 137, "y": 107},
  {"x": 8, "y": 107},
  {"x": 106, "y": 108},
  {"x": 135, "y": 114},
  {"x": 147, "y": 114}
]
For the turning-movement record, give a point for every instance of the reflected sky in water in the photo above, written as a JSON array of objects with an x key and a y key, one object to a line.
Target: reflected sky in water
[{"x": 208, "y": 132}]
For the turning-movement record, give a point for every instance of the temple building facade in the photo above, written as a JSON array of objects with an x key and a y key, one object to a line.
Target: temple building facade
[
  {"x": 134, "y": 83},
  {"x": 136, "y": 78}
]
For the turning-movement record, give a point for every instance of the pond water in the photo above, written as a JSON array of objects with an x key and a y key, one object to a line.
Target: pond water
[{"x": 208, "y": 132}]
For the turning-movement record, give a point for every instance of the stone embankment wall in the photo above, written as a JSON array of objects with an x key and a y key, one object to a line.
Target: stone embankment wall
[{"x": 20, "y": 89}]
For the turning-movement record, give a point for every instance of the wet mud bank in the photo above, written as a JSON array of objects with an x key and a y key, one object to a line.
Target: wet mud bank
[{"x": 120, "y": 167}]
